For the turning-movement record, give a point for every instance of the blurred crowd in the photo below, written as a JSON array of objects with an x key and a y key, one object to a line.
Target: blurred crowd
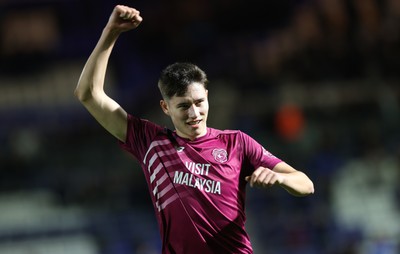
[{"x": 314, "y": 81}]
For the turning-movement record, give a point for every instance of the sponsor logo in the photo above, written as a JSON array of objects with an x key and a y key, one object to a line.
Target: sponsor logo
[
  {"x": 266, "y": 153},
  {"x": 179, "y": 148}
]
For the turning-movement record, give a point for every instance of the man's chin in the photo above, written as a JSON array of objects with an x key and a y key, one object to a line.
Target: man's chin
[
  {"x": 200, "y": 132},
  {"x": 195, "y": 133},
  {"x": 192, "y": 132}
]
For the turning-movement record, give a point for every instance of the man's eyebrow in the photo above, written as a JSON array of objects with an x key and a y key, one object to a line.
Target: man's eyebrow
[
  {"x": 188, "y": 102},
  {"x": 185, "y": 103}
]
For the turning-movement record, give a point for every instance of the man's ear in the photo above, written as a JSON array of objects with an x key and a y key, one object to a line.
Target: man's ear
[{"x": 164, "y": 107}]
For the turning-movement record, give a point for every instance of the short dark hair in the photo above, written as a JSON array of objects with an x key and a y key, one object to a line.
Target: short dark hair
[{"x": 175, "y": 79}]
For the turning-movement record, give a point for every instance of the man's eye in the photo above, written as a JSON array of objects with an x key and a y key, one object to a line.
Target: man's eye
[{"x": 199, "y": 103}]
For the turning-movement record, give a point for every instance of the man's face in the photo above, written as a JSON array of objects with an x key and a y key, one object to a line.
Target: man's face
[{"x": 188, "y": 112}]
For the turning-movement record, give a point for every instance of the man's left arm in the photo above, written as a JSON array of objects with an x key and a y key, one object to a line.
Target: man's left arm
[{"x": 295, "y": 182}]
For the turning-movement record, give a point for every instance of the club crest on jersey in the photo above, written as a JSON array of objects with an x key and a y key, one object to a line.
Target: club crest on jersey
[{"x": 220, "y": 155}]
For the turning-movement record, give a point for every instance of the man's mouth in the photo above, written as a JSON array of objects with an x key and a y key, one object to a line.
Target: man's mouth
[{"x": 194, "y": 122}]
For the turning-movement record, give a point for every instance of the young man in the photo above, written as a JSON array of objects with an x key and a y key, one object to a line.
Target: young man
[{"x": 196, "y": 175}]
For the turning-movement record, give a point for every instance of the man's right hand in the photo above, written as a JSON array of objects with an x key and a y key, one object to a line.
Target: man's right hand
[{"x": 124, "y": 18}]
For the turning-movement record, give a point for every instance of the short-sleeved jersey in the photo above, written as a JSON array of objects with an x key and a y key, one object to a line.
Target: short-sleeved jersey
[{"x": 197, "y": 187}]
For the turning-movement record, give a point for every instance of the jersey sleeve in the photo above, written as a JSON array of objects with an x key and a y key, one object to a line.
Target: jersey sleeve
[
  {"x": 139, "y": 135},
  {"x": 256, "y": 155}
]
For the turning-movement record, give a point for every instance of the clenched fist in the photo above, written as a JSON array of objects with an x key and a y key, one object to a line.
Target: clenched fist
[
  {"x": 124, "y": 18},
  {"x": 264, "y": 177}
]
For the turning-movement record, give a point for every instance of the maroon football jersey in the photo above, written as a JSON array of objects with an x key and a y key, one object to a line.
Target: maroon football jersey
[{"x": 197, "y": 187}]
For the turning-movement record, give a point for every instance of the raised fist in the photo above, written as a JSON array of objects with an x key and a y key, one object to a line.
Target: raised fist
[{"x": 124, "y": 18}]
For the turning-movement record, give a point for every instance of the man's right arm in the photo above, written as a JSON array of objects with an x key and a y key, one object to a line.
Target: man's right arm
[{"x": 90, "y": 88}]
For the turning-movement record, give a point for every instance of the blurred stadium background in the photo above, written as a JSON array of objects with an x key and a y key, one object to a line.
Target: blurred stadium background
[{"x": 315, "y": 81}]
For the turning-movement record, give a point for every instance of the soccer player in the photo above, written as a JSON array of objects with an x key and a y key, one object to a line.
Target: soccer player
[{"x": 196, "y": 175}]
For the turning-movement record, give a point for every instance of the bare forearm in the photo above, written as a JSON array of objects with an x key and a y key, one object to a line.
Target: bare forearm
[
  {"x": 297, "y": 183},
  {"x": 91, "y": 82},
  {"x": 90, "y": 88},
  {"x": 93, "y": 74}
]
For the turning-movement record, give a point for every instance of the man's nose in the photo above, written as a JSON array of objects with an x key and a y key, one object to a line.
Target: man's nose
[{"x": 193, "y": 112}]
